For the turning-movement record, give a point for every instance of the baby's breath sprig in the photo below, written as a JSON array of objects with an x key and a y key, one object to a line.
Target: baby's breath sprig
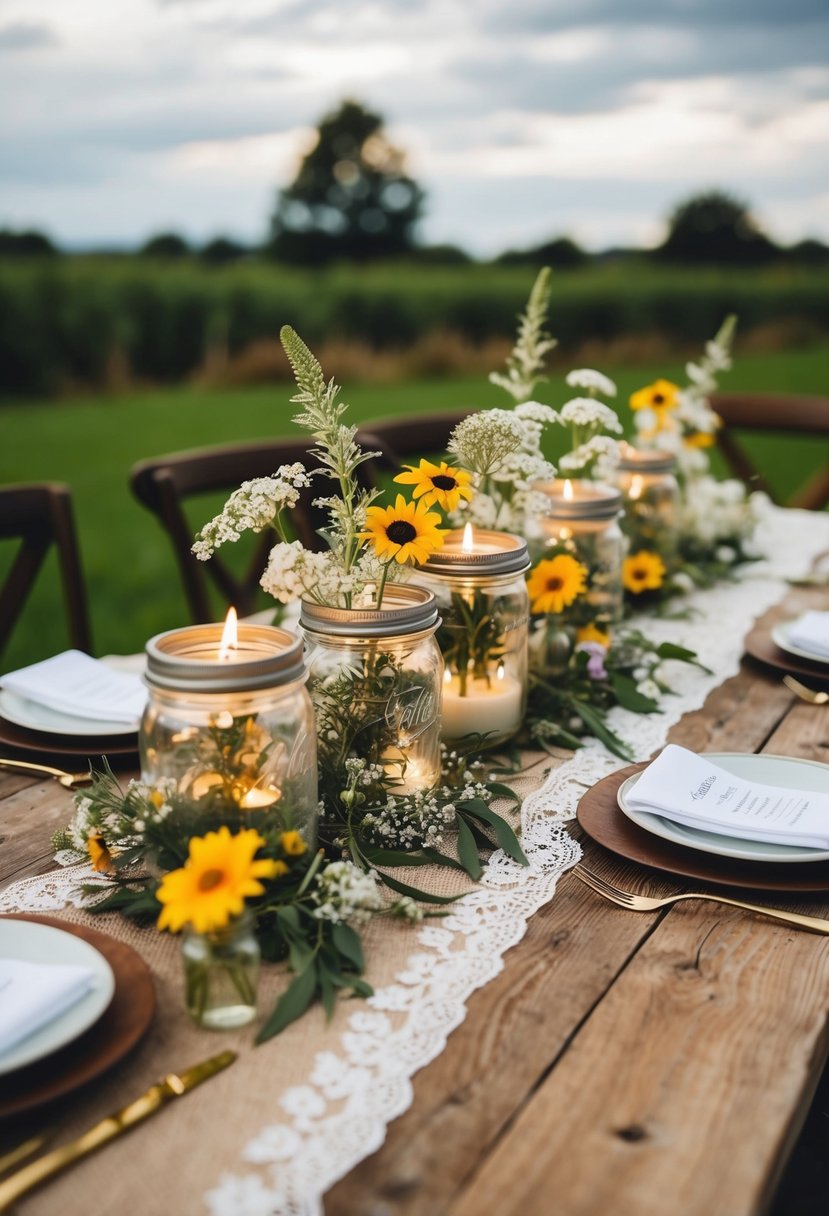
[{"x": 526, "y": 362}]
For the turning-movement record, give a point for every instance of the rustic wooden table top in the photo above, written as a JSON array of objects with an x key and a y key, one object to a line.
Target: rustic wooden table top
[{"x": 622, "y": 1062}]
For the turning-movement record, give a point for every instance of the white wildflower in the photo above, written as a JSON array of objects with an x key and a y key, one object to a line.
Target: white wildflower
[
  {"x": 254, "y": 506},
  {"x": 584, "y": 411},
  {"x": 343, "y": 892},
  {"x": 649, "y": 688},
  {"x": 534, "y": 411},
  {"x": 482, "y": 441},
  {"x": 592, "y": 381},
  {"x": 601, "y": 453}
]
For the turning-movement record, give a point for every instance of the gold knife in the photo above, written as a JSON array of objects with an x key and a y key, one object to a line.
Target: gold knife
[{"x": 173, "y": 1086}]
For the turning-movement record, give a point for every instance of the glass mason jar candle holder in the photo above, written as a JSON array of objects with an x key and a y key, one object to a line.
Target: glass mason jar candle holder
[
  {"x": 221, "y": 974},
  {"x": 374, "y": 678},
  {"x": 650, "y": 497},
  {"x": 233, "y": 726},
  {"x": 575, "y": 587},
  {"x": 478, "y": 580}
]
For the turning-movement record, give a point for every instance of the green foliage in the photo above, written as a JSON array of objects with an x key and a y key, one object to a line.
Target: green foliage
[
  {"x": 351, "y": 197},
  {"x": 69, "y": 321},
  {"x": 718, "y": 229}
]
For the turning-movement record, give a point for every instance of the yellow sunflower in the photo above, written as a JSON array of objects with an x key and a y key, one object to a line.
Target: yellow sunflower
[
  {"x": 99, "y": 853},
  {"x": 556, "y": 582},
  {"x": 212, "y": 885},
  {"x": 407, "y": 532},
  {"x": 660, "y": 396},
  {"x": 592, "y": 633},
  {"x": 438, "y": 484},
  {"x": 699, "y": 439},
  {"x": 292, "y": 844},
  {"x": 643, "y": 571}
]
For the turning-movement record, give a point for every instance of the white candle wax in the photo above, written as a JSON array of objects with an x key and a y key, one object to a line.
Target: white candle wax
[
  {"x": 487, "y": 708},
  {"x": 408, "y": 776}
]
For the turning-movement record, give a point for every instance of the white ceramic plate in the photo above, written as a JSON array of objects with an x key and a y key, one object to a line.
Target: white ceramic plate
[
  {"x": 780, "y": 637},
  {"x": 771, "y": 770},
  {"x": 42, "y": 944},
  {"x": 27, "y": 713}
]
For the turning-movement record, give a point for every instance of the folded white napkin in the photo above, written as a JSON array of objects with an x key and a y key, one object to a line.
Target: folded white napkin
[
  {"x": 34, "y": 994},
  {"x": 73, "y": 683},
  {"x": 811, "y": 632},
  {"x": 689, "y": 789}
]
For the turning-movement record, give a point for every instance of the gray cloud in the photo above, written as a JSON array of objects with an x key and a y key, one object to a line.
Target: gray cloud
[
  {"x": 26, "y": 36},
  {"x": 551, "y": 16}
]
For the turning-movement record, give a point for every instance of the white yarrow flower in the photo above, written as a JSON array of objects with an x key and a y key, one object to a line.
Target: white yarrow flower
[
  {"x": 593, "y": 381},
  {"x": 584, "y": 411}
]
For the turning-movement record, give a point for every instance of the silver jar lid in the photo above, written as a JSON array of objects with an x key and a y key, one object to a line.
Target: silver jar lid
[
  {"x": 592, "y": 500},
  {"x": 508, "y": 555},
  {"x": 405, "y": 610},
  {"x": 645, "y": 460},
  {"x": 186, "y": 659}
]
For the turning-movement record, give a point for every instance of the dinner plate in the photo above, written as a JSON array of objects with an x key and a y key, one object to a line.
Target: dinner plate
[
  {"x": 780, "y": 637},
  {"x": 32, "y": 716},
  {"x": 770, "y": 770},
  {"x": 37, "y": 943},
  {"x": 122, "y": 1025}
]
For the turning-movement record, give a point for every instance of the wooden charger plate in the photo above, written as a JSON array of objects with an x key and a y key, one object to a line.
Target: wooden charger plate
[
  {"x": 602, "y": 819},
  {"x": 760, "y": 645},
  {"x": 105, "y": 1043},
  {"x": 38, "y": 745}
]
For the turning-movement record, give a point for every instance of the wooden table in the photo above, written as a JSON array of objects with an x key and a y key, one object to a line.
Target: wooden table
[{"x": 622, "y": 1063}]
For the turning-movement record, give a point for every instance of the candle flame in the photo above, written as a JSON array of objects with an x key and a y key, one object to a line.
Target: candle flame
[
  {"x": 501, "y": 672},
  {"x": 567, "y": 492},
  {"x": 447, "y": 676},
  {"x": 636, "y": 484},
  {"x": 468, "y": 542},
  {"x": 230, "y": 636}
]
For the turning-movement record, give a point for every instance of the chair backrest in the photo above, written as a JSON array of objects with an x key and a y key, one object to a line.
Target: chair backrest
[
  {"x": 402, "y": 439},
  {"x": 166, "y": 482},
  {"x": 773, "y": 412},
  {"x": 39, "y": 515}
]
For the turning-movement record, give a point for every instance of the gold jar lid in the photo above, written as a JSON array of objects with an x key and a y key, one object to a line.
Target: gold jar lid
[
  {"x": 404, "y": 610},
  {"x": 187, "y": 659},
  {"x": 491, "y": 553}
]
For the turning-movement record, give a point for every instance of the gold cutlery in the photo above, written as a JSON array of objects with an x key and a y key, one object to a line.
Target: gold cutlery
[
  {"x": 70, "y": 780},
  {"x": 806, "y": 694},
  {"x": 646, "y": 903},
  {"x": 27, "y": 1149},
  {"x": 173, "y": 1086}
]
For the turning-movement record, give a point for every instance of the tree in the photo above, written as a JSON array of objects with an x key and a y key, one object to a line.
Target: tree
[
  {"x": 715, "y": 227},
  {"x": 351, "y": 197},
  {"x": 223, "y": 249},
  {"x": 165, "y": 245},
  {"x": 25, "y": 245},
  {"x": 561, "y": 253}
]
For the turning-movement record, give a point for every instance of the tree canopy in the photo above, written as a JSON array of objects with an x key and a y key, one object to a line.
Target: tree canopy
[
  {"x": 715, "y": 227},
  {"x": 351, "y": 198}
]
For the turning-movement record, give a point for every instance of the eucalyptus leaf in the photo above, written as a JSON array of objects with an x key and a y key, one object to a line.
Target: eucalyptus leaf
[
  {"x": 467, "y": 849},
  {"x": 504, "y": 833},
  {"x": 292, "y": 1004},
  {"x": 348, "y": 943}
]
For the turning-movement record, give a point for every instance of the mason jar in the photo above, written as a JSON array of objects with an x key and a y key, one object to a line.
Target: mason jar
[
  {"x": 234, "y": 731},
  {"x": 374, "y": 679},
  {"x": 575, "y": 585},
  {"x": 221, "y": 974},
  {"x": 650, "y": 498},
  {"x": 477, "y": 578}
]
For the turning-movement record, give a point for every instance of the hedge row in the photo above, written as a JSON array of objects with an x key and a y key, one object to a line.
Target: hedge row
[{"x": 70, "y": 321}]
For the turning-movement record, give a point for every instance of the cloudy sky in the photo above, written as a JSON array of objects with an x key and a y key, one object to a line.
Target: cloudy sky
[{"x": 524, "y": 119}]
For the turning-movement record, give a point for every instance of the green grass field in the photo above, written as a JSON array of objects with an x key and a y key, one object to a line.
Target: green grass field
[{"x": 133, "y": 583}]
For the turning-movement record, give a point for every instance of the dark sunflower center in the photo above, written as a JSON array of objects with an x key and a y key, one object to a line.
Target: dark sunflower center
[
  {"x": 554, "y": 584},
  {"x": 400, "y": 532},
  {"x": 639, "y": 572},
  {"x": 443, "y": 482},
  {"x": 659, "y": 398},
  {"x": 210, "y": 879}
]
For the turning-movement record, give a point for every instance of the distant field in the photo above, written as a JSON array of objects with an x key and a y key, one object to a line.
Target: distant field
[{"x": 92, "y": 443}]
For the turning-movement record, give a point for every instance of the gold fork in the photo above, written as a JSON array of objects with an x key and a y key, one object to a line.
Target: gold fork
[
  {"x": 70, "y": 780},
  {"x": 806, "y": 694},
  {"x": 649, "y": 903}
]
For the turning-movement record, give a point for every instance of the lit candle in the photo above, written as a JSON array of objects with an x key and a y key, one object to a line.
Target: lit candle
[
  {"x": 407, "y": 775},
  {"x": 486, "y": 707}
]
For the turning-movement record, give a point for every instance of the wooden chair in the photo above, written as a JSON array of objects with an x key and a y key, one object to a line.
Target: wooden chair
[
  {"x": 401, "y": 440},
  {"x": 166, "y": 482},
  {"x": 774, "y": 413},
  {"x": 39, "y": 515}
]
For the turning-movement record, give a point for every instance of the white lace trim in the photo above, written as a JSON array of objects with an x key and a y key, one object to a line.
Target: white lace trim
[{"x": 322, "y": 1129}]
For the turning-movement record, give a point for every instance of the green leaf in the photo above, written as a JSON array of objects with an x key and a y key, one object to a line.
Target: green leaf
[
  {"x": 425, "y": 897},
  {"x": 377, "y": 855},
  {"x": 347, "y": 941},
  {"x": 441, "y": 859},
  {"x": 467, "y": 849},
  {"x": 502, "y": 791},
  {"x": 670, "y": 650},
  {"x": 292, "y": 1004},
  {"x": 629, "y": 697},
  {"x": 504, "y": 833},
  {"x": 597, "y": 726},
  {"x": 327, "y": 991}
]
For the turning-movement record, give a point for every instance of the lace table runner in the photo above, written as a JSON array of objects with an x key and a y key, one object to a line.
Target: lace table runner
[{"x": 275, "y": 1131}]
